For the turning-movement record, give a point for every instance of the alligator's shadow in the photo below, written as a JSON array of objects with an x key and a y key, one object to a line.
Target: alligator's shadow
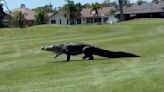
[
  {"x": 77, "y": 60},
  {"x": 64, "y": 61}
]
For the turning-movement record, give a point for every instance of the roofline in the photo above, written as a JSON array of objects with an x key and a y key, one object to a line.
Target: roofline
[{"x": 140, "y": 13}]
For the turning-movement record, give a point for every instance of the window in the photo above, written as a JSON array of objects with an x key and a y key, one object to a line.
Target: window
[
  {"x": 97, "y": 20},
  {"x": 67, "y": 21},
  {"x": 60, "y": 21},
  {"x": 53, "y": 21},
  {"x": 89, "y": 20},
  {"x": 105, "y": 19}
]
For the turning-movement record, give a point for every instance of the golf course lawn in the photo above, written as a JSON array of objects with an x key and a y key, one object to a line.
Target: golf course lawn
[{"x": 24, "y": 67}]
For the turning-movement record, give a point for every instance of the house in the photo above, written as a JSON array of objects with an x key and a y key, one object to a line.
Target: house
[
  {"x": 87, "y": 16},
  {"x": 29, "y": 14},
  {"x": 144, "y": 10}
]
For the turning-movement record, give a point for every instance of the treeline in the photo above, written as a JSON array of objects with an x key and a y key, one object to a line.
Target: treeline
[{"x": 70, "y": 10}]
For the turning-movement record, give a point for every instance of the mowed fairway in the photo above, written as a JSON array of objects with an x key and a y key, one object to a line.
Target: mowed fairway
[{"x": 25, "y": 68}]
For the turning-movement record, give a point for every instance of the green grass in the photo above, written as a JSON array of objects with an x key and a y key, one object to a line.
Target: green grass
[{"x": 25, "y": 68}]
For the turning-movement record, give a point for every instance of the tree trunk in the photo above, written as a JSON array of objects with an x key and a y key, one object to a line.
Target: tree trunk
[
  {"x": 121, "y": 10},
  {"x": 20, "y": 22}
]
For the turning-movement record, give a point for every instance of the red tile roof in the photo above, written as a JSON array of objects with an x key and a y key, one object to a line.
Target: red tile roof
[
  {"x": 104, "y": 11},
  {"x": 29, "y": 14}
]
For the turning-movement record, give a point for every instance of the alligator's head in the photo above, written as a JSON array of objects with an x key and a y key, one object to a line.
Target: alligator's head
[
  {"x": 57, "y": 48},
  {"x": 47, "y": 48}
]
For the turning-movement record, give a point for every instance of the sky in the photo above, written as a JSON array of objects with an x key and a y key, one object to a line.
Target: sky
[{"x": 12, "y": 4}]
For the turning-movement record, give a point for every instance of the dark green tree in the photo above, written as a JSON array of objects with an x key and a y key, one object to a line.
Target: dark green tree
[
  {"x": 41, "y": 17},
  {"x": 42, "y": 13}
]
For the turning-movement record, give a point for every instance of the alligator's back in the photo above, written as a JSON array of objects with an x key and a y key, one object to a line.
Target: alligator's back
[{"x": 75, "y": 48}]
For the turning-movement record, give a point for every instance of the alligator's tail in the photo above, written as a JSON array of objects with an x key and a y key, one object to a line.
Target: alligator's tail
[{"x": 109, "y": 54}]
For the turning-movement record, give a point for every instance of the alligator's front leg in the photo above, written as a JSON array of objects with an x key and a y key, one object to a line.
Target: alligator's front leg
[
  {"x": 68, "y": 57},
  {"x": 57, "y": 55}
]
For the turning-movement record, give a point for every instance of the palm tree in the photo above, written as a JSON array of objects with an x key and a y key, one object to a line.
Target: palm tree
[
  {"x": 95, "y": 11},
  {"x": 72, "y": 11},
  {"x": 69, "y": 11},
  {"x": 95, "y": 8},
  {"x": 78, "y": 10}
]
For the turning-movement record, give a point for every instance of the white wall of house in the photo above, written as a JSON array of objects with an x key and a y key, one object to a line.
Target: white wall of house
[{"x": 58, "y": 19}]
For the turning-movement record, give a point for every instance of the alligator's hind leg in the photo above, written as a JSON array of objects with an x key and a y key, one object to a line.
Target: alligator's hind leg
[
  {"x": 84, "y": 57},
  {"x": 91, "y": 57},
  {"x": 88, "y": 54}
]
